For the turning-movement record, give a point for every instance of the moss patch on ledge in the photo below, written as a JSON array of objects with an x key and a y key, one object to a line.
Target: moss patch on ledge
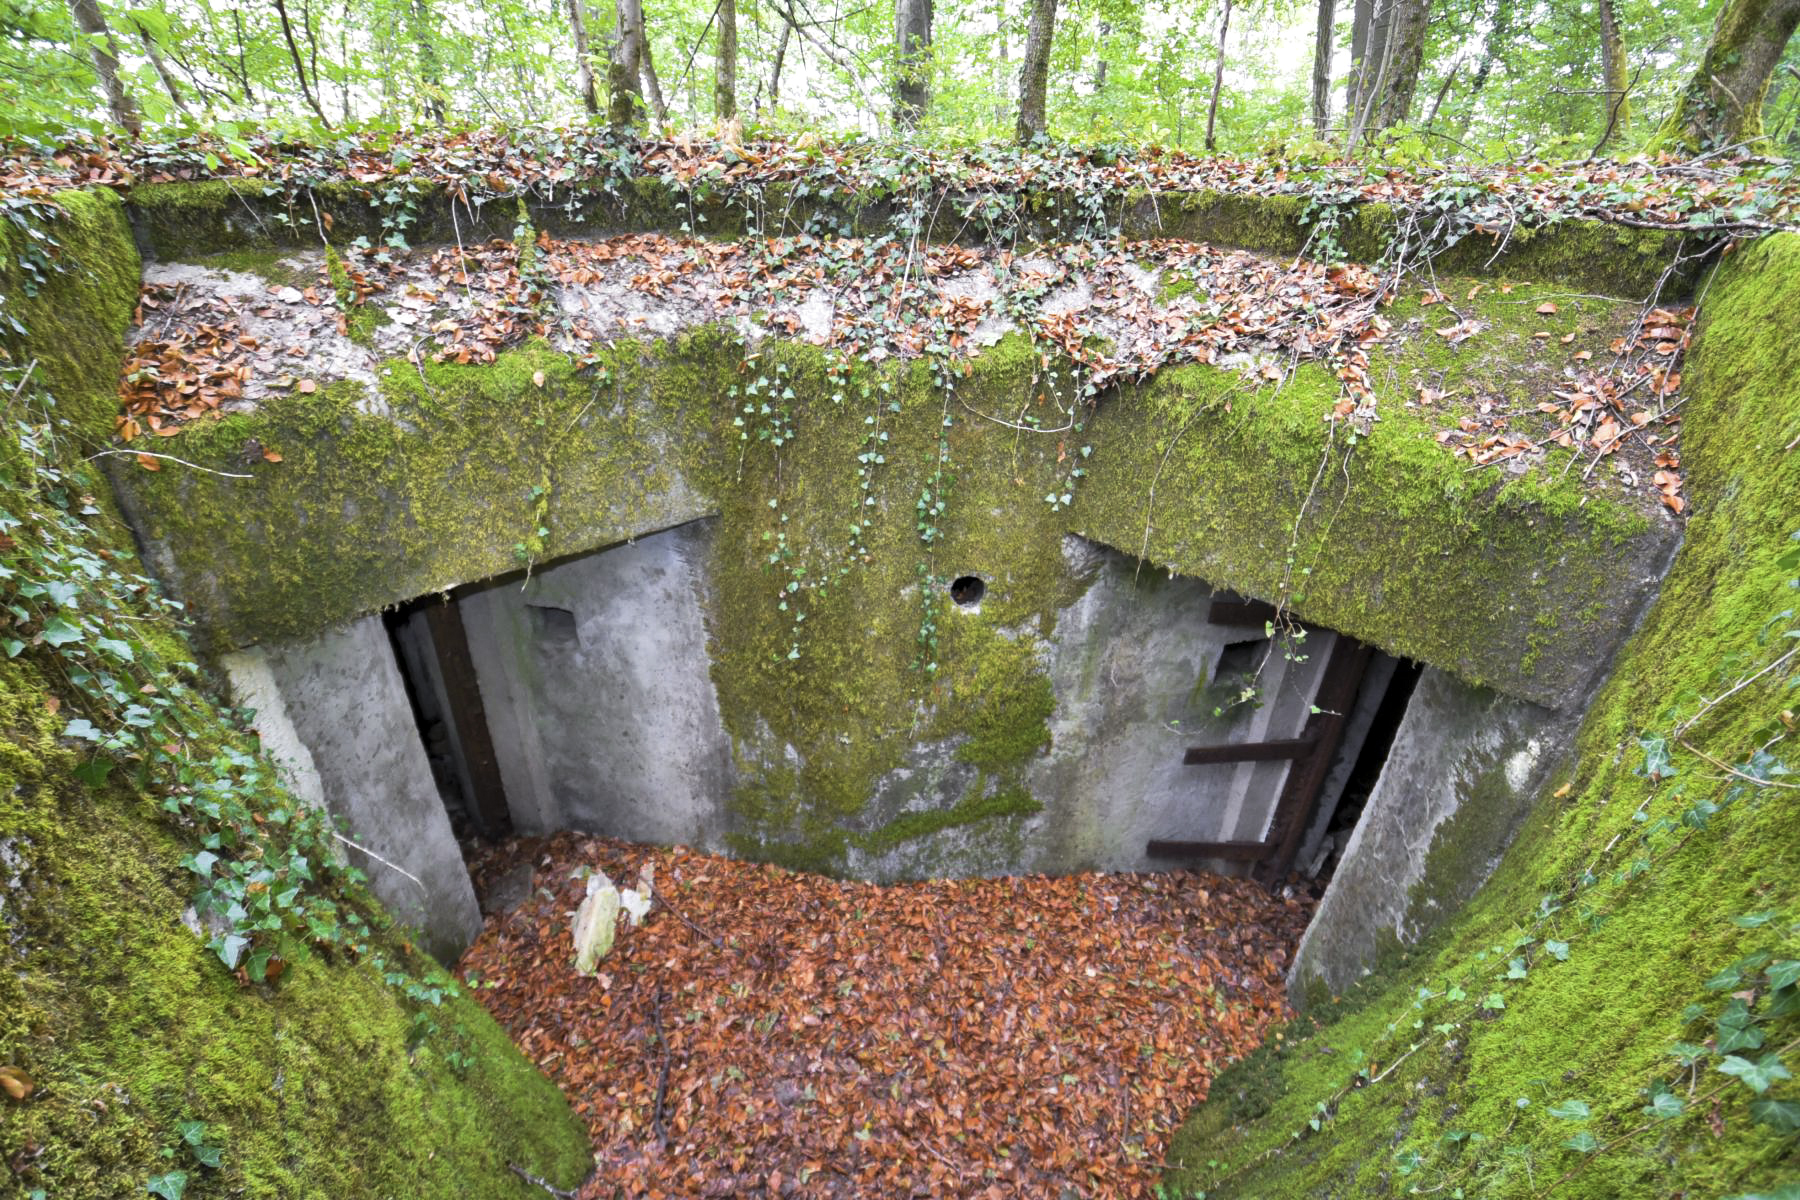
[
  {"x": 1504, "y": 580},
  {"x": 1641, "y": 940},
  {"x": 437, "y": 478},
  {"x": 75, "y": 323}
]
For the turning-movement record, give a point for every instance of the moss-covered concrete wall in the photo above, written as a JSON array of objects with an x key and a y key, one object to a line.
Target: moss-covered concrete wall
[
  {"x": 1622, "y": 945},
  {"x": 847, "y": 506},
  {"x": 341, "y": 1077}
]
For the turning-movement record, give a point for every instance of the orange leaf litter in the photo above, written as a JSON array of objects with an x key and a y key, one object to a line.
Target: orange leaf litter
[{"x": 1029, "y": 1037}]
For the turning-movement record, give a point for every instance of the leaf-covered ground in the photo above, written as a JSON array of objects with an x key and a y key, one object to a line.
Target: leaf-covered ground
[
  {"x": 210, "y": 341},
  {"x": 1033, "y": 1037},
  {"x": 1739, "y": 197}
]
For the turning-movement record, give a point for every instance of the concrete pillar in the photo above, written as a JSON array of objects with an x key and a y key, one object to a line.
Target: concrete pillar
[
  {"x": 1465, "y": 768},
  {"x": 332, "y": 710}
]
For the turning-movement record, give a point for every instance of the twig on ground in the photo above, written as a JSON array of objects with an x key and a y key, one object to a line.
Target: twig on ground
[
  {"x": 682, "y": 917},
  {"x": 171, "y": 458},
  {"x": 528, "y": 1177},
  {"x": 662, "y": 1077}
]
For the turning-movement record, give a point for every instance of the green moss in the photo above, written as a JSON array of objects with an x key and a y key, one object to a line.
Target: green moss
[
  {"x": 1398, "y": 544},
  {"x": 276, "y": 266},
  {"x": 75, "y": 324},
  {"x": 1641, "y": 942},
  {"x": 129, "y": 1025}
]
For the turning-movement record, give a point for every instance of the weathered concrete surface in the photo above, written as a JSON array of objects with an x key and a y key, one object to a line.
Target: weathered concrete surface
[
  {"x": 1462, "y": 773},
  {"x": 333, "y": 711},
  {"x": 595, "y": 677}
]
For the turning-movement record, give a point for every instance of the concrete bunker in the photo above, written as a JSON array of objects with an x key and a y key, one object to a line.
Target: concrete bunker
[
  {"x": 1187, "y": 726},
  {"x": 878, "y": 627}
]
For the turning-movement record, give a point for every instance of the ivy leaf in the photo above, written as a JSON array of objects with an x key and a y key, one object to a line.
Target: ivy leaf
[
  {"x": 1783, "y": 973},
  {"x": 1582, "y": 1143},
  {"x": 1687, "y": 1053},
  {"x": 82, "y": 728},
  {"x": 192, "y": 1132},
  {"x": 1664, "y": 1104},
  {"x": 1725, "y": 980},
  {"x": 1753, "y": 920},
  {"x": 1783, "y": 1116},
  {"x": 116, "y": 648},
  {"x": 1756, "y": 1075},
  {"x": 231, "y": 948},
  {"x": 169, "y": 1186},
  {"x": 1739, "y": 1037},
  {"x": 1787, "y": 1191},
  {"x": 1558, "y": 950},
  {"x": 209, "y": 1156},
  {"x": 58, "y": 632},
  {"x": 1571, "y": 1110}
]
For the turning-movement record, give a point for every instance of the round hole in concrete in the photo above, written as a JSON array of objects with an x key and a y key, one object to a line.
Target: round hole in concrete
[{"x": 968, "y": 589}]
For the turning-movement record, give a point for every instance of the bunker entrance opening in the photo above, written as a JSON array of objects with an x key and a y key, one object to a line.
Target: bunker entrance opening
[
  {"x": 1293, "y": 728},
  {"x": 580, "y": 696}
]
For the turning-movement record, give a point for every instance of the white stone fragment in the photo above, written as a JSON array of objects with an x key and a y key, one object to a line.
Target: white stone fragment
[{"x": 595, "y": 922}]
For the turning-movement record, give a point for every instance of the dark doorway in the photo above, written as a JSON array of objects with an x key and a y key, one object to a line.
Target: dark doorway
[{"x": 433, "y": 655}]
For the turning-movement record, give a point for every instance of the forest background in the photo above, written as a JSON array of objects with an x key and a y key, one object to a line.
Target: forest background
[{"x": 1410, "y": 81}]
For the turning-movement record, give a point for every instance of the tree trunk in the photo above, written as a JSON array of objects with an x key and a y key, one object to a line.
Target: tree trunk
[
  {"x": 1722, "y": 104},
  {"x": 429, "y": 71},
  {"x": 725, "y": 73},
  {"x": 1615, "y": 92},
  {"x": 625, "y": 72},
  {"x": 584, "y": 62},
  {"x": 912, "y": 39},
  {"x": 652, "y": 85},
  {"x": 162, "y": 69},
  {"x": 104, "y": 54},
  {"x": 787, "y": 30},
  {"x": 1321, "y": 72},
  {"x": 1034, "y": 75},
  {"x": 1402, "y": 57},
  {"x": 1443, "y": 91},
  {"x": 287, "y": 32},
  {"x": 1212, "y": 110},
  {"x": 1376, "y": 18}
]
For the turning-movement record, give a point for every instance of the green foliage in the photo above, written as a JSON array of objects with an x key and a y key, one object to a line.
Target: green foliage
[{"x": 1119, "y": 72}]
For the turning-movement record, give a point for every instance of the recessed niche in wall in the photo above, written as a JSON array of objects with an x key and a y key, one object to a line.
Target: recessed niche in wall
[
  {"x": 968, "y": 589},
  {"x": 552, "y": 624}
]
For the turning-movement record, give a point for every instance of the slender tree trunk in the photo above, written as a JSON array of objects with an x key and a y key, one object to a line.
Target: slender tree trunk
[
  {"x": 162, "y": 69},
  {"x": 584, "y": 62},
  {"x": 429, "y": 71},
  {"x": 1615, "y": 87},
  {"x": 625, "y": 71},
  {"x": 1722, "y": 104},
  {"x": 1212, "y": 109},
  {"x": 652, "y": 85},
  {"x": 912, "y": 39},
  {"x": 1362, "y": 15},
  {"x": 725, "y": 73},
  {"x": 344, "y": 58},
  {"x": 1443, "y": 91},
  {"x": 787, "y": 30},
  {"x": 1321, "y": 71},
  {"x": 287, "y": 32},
  {"x": 1370, "y": 57},
  {"x": 237, "y": 17},
  {"x": 103, "y": 52},
  {"x": 1034, "y": 75}
]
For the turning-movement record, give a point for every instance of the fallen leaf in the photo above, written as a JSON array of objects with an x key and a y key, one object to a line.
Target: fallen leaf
[{"x": 16, "y": 1082}]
